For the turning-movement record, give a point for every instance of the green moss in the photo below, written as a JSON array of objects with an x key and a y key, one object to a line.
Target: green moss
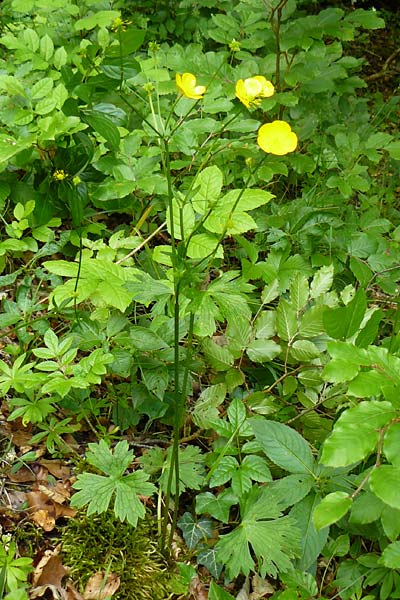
[{"x": 102, "y": 542}]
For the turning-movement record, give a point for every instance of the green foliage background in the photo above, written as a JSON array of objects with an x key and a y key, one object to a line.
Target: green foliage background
[{"x": 163, "y": 274}]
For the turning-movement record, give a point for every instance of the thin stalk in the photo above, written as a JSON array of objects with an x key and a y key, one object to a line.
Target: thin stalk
[{"x": 180, "y": 413}]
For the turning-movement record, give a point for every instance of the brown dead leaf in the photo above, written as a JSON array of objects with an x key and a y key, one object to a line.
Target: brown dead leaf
[
  {"x": 58, "y": 493},
  {"x": 50, "y": 570},
  {"x": 44, "y": 519},
  {"x": 197, "y": 591},
  {"x": 72, "y": 593},
  {"x": 58, "y": 469},
  {"x": 261, "y": 588},
  {"x": 57, "y": 593},
  {"x": 44, "y": 511},
  {"x": 98, "y": 588},
  {"x": 23, "y": 475}
]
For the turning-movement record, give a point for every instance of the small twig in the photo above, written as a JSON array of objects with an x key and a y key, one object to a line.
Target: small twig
[
  {"x": 135, "y": 250},
  {"x": 384, "y": 71}
]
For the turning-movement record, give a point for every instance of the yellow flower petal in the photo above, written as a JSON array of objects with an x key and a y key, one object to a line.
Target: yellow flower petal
[
  {"x": 251, "y": 90},
  {"x": 277, "y": 138},
  {"x": 186, "y": 84},
  {"x": 267, "y": 88}
]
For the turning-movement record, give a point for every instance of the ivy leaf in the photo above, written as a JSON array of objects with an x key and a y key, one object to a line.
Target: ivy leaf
[
  {"x": 274, "y": 540},
  {"x": 208, "y": 558},
  {"x": 193, "y": 531}
]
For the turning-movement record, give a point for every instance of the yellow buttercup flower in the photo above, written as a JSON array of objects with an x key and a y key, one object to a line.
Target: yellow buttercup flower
[
  {"x": 186, "y": 84},
  {"x": 251, "y": 90},
  {"x": 277, "y": 138}
]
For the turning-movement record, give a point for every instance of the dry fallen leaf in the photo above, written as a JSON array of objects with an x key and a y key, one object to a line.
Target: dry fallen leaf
[
  {"x": 261, "y": 588},
  {"x": 50, "y": 570},
  {"x": 44, "y": 511},
  {"x": 98, "y": 588},
  {"x": 197, "y": 589}
]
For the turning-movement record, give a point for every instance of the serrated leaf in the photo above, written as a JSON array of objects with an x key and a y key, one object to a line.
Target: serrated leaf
[
  {"x": 273, "y": 542},
  {"x": 204, "y": 245},
  {"x": 223, "y": 471},
  {"x": 312, "y": 541},
  {"x": 303, "y": 350},
  {"x": 356, "y": 433},
  {"x": 206, "y": 407},
  {"x": 209, "y": 180},
  {"x": 322, "y": 281},
  {"x": 283, "y": 445},
  {"x": 299, "y": 292},
  {"x": 312, "y": 324},
  {"x": 331, "y": 508},
  {"x": 263, "y": 350},
  {"x": 218, "y": 356},
  {"x": 286, "y": 320}
]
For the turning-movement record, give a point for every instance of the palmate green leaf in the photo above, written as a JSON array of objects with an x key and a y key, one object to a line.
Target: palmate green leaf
[
  {"x": 331, "y": 508},
  {"x": 283, "y": 445},
  {"x": 97, "y": 491},
  {"x": 356, "y": 433},
  {"x": 273, "y": 539},
  {"x": 191, "y": 469},
  {"x": 127, "y": 505},
  {"x": 110, "y": 462}
]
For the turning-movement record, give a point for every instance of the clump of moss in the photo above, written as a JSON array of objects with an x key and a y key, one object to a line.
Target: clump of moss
[{"x": 102, "y": 542}]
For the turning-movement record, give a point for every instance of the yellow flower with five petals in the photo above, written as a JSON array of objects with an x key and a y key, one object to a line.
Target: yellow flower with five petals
[
  {"x": 250, "y": 91},
  {"x": 277, "y": 138},
  {"x": 187, "y": 85}
]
